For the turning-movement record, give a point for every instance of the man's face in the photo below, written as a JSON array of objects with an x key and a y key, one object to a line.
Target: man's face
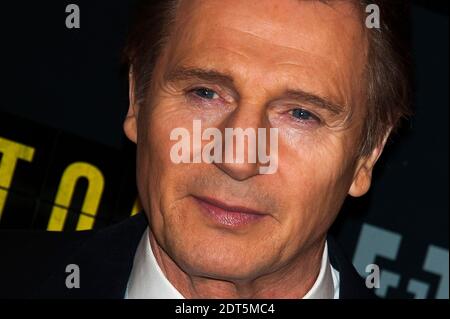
[{"x": 248, "y": 64}]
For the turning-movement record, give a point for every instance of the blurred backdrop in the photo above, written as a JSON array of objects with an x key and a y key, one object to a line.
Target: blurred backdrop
[{"x": 66, "y": 165}]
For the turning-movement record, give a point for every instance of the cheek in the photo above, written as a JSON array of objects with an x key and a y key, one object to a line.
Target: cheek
[
  {"x": 165, "y": 180},
  {"x": 163, "y": 117},
  {"x": 155, "y": 171},
  {"x": 318, "y": 177}
]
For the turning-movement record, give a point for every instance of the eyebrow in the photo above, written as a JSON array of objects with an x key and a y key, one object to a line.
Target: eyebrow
[
  {"x": 183, "y": 74},
  {"x": 207, "y": 75},
  {"x": 319, "y": 101}
]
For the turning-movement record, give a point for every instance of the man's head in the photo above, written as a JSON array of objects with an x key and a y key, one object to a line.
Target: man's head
[{"x": 303, "y": 67}]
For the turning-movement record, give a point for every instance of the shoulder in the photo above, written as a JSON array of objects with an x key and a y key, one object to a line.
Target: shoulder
[
  {"x": 30, "y": 258},
  {"x": 352, "y": 285}
]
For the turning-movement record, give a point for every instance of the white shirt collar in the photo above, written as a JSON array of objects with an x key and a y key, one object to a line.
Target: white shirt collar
[{"x": 147, "y": 281}]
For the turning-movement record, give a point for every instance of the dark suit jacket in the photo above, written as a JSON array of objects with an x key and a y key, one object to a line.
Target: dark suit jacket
[{"x": 33, "y": 264}]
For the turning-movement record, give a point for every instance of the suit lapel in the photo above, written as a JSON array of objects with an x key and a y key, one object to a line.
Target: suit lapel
[{"x": 351, "y": 285}]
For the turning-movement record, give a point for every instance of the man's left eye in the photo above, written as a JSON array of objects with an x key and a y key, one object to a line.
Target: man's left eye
[
  {"x": 205, "y": 93},
  {"x": 303, "y": 115}
]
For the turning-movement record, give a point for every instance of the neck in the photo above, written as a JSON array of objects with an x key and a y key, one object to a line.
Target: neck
[{"x": 292, "y": 280}]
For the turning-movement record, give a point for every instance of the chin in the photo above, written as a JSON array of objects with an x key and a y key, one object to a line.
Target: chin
[
  {"x": 229, "y": 271},
  {"x": 216, "y": 260}
]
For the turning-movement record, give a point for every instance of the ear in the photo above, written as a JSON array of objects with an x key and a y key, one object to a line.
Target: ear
[
  {"x": 130, "y": 123},
  {"x": 363, "y": 173}
]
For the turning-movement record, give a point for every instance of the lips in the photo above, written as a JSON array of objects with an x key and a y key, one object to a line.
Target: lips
[{"x": 226, "y": 215}]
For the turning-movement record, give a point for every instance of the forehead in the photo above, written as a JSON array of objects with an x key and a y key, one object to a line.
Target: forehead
[
  {"x": 288, "y": 23},
  {"x": 314, "y": 42}
]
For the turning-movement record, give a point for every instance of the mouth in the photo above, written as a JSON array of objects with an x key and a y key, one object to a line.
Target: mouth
[{"x": 228, "y": 215}]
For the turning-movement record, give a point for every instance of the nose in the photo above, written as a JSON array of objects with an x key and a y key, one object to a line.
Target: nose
[{"x": 240, "y": 142}]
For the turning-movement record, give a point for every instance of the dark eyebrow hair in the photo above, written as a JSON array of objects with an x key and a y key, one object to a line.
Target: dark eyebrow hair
[
  {"x": 182, "y": 73},
  {"x": 210, "y": 75},
  {"x": 315, "y": 100}
]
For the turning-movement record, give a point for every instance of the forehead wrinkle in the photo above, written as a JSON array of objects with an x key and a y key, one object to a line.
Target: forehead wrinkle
[
  {"x": 270, "y": 42},
  {"x": 258, "y": 30},
  {"x": 286, "y": 55}
]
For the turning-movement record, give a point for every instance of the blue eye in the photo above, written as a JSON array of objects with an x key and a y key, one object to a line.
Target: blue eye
[
  {"x": 303, "y": 115},
  {"x": 205, "y": 93}
]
